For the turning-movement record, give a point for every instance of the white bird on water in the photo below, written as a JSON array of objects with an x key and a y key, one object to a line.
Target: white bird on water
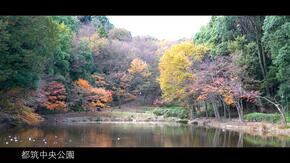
[{"x": 118, "y": 138}]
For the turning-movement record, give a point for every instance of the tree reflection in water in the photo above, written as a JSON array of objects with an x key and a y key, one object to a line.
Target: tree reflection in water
[{"x": 132, "y": 135}]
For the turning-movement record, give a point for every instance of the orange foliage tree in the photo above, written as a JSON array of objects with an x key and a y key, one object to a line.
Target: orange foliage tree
[
  {"x": 55, "y": 97},
  {"x": 93, "y": 97}
]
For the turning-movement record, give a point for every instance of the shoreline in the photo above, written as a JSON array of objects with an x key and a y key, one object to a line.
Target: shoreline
[
  {"x": 264, "y": 129},
  {"x": 109, "y": 117}
]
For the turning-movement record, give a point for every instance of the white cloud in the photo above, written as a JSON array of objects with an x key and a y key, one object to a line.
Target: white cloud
[{"x": 162, "y": 27}]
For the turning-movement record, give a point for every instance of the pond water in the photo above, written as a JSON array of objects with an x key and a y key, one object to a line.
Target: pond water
[{"x": 132, "y": 135}]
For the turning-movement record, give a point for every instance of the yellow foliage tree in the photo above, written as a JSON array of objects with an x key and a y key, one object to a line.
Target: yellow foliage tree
[
  {"x": 138, "y": 66},
  {"x": 175, "y": 66}
]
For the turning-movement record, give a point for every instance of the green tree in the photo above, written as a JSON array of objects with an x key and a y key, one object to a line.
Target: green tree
[
  {"x": 218, "y": 33},
  {"x": 120, "y": 34},
  {"x": 277, "y": 40},
  {"x": 26, "y": 43},
  {"x": 102, "y": 21},
  {"x": 70, "y": 21},
  {"x": 81, "y": 61},
  {"x": 59, "y": 62}
]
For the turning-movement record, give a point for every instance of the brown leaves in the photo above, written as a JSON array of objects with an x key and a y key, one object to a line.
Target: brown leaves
[{"x": 250, "y": 96}]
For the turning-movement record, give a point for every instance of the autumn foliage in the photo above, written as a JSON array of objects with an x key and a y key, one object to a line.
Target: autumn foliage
[
  {"x": 56, "y": 97},
  {"x": 83, "y": 84},
  {"x": 175, "y": 68},
  {"x": 93, "y": 97},
  {"x": 100, "y": 80},
  {"x": 220, "y": 81},
  {"x": 138, "y": 66},
  {"x": 17, "y": 101}
]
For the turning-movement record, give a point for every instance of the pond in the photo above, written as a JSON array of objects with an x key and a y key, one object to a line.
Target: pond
[{"x": 132, "y": 135}]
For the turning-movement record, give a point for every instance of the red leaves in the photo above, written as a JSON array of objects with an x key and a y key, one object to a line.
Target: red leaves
[
  {"x": 55, "y": 96},
  {"x": 220, "y": 78}
]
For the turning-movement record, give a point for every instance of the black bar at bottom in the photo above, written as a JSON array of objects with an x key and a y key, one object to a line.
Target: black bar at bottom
[{"x": 146, "y": 154}]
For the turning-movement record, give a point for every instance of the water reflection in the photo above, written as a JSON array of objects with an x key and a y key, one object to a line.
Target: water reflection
[{"x": 132, "y": 135}]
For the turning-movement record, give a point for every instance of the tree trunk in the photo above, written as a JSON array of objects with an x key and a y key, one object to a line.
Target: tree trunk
[
  {"x": 224, "y": 108},
  {"x": 261, "y": 64},
  {"x": 193, "y": 111},
  {"x": 206, "y": 112},
  {"x": 261, "y": 53},
  {"x": 216, "y": 112},
  {"x": 241, "y": 111},
  {"x": 229, "y": 110},
  {"x": 280, "y": 109},
  {"x": 145, "y": 99},
  {"x": 119, "y": 101}
]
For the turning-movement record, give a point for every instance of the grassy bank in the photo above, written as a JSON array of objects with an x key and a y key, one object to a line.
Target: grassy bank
[
  {"x": 265, "y": 117},
  {"x": 113, "y": 115},
  {"x": 171, "y": 111}
]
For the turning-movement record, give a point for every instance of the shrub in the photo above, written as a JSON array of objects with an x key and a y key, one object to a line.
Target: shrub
[
  {"x": 262, "y": 117},
  {"x": 210, "y": 113},
  {"x": 159, "y": 111},
  {"x": 178, "y": 112}
]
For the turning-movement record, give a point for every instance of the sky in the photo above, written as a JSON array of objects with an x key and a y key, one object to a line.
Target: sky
[{"x": 171, "y": 28}]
